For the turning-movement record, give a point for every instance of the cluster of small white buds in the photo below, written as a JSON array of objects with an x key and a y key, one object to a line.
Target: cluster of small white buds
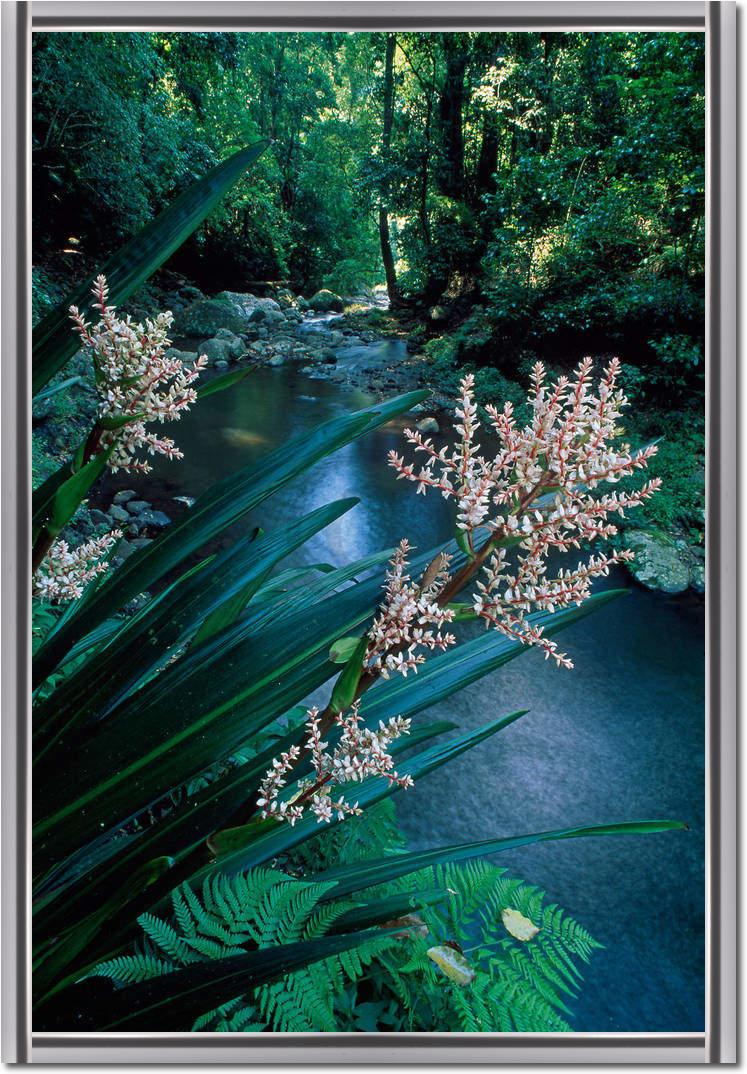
[
  {"x": 536, "y": 494},
  {"x": 401, "y": 628},
  {"x": 65, "y": 572},
  {"x": 360, "y": 753},
  {"x": 137, "y": 381}
]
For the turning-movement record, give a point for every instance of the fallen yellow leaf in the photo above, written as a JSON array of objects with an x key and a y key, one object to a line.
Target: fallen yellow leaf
[
  {"x": 519, "y": 926},
  {"x": 453, "y": 964}
]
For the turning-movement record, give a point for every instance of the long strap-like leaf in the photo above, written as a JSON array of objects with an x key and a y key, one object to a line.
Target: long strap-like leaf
[{"x": 352, "y": 878}]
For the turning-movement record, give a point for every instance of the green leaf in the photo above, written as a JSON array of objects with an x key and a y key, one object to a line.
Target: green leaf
[
  {"x": 226, "y": 380},
  {"x": 49, "y": 970},
  {"x": 56, "y": 501},
  {"x": 118, "y": 421},
  {"x": 344, "y": 691},
  {"x": 54, "y": 342},
  {"x": 352, "y": 878},
  {"x": 171, "y": 1001},
  {"x": 343, "y": 649},
  {"x": 462, "y": 540},
  {"x": 204, "y": 600}
]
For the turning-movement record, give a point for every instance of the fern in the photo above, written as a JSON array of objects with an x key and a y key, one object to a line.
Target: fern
[
  {"x": 233, "y": 914},
  {"x": 524, "y": 986},
  {"x": 519, "y": 986}
]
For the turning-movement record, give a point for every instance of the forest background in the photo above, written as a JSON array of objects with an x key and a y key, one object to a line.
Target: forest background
[{"x": 518, "y": 194}]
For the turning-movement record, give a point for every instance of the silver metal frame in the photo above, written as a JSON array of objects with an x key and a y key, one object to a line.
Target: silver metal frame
[{"x": 719, "y": 1042}]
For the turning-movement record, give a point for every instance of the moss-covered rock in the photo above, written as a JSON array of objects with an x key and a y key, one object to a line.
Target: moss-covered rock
[
  {"x": 204, "y": 318},
  {"x": 660, "y": 564},
  {"x": 326, "y": 302}
]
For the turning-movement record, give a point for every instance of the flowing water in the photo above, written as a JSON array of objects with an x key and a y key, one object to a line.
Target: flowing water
[{"x": 620, "y": 737}]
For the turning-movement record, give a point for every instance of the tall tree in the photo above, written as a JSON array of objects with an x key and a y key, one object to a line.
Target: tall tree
[{"x": 387, "y": 255}]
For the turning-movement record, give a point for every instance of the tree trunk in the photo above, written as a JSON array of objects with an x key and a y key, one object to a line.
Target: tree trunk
[
  {"x": 451, "y": 104},
  {"x": 487, "y": 165},
  {"x": 386, "y": 245}
]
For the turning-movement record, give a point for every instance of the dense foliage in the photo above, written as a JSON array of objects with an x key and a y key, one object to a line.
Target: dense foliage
[{"x": 557, "y": 180}]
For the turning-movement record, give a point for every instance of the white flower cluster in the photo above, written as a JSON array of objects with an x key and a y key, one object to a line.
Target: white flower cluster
[
  {"x": 136, "y": 380},
  {"x": 536, "y": 493},
  {"x": 65, "y": 572},
  {"x": 360, "y": 752},
  {"x": 402, "y": 625}
]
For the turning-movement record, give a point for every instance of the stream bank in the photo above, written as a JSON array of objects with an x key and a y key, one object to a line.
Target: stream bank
[{"x": 356, "y": 345}]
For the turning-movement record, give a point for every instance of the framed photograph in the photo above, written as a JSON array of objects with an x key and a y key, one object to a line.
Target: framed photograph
[{"x": 369, "y": 532}]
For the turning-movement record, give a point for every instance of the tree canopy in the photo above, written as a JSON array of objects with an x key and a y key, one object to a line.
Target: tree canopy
[{"x": 554, "y": 181}]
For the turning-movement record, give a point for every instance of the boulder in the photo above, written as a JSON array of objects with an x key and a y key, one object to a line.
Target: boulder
[
  {"x": 302, "y": 304},
  {"x": 428, "y": 425},
  {"x": 221, "y": 350},
  {"x": 192, "y": 294},
  {"x": 284, "y": 298},
  {"x": 277, "y": 359},
  {"x": 326, "y": 301},
  {"x": 221, "y": 366},
  {"x": 205, "y": 317},
  {"x": 121, "y": 553},
  {"x": 251, "y": 308},
  {"x": 659, "y": 563}
]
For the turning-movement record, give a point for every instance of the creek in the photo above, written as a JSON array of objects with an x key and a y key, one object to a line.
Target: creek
[{"x": 620, "y": 737}]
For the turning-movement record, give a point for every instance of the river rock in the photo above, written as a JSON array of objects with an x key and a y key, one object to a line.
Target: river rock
[
  {"x": 251, "y": 308},
  {"x": 302, "y": 304},
  {"x": 277, "y": 359},
  {"x": 284, "y": 298},
  {"x": 221, "y": 350},
  {"x": 156, "y": 520},
  {"x": 99, "y": 518},
  {"x": 118, "y": 514},
  {"x": 438, "y": 314},
  {"x": 124, "y": 495},
  {"x": 221, "y": 366},
  {"x": 205, "y": 317},
  {"x": 236, "y": 345},
  {"x": 697, "y": 577},
  {"x": 659, "y": 563},
  {"x": 136, "y": 507},
  {"x": 325, "y": 301},
  {"x": 428, "y": 425}
]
